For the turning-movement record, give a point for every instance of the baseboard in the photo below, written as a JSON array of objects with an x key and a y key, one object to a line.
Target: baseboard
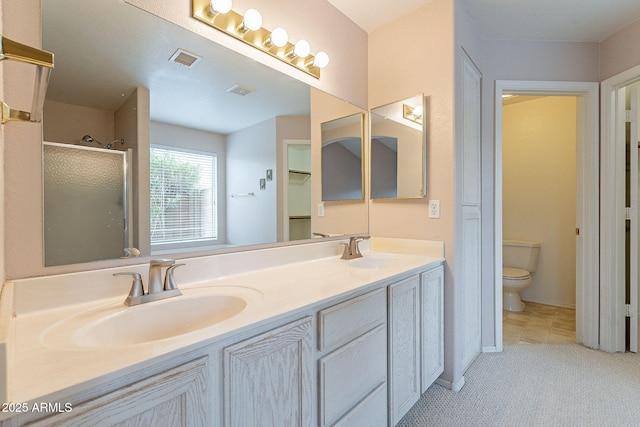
[
  {"x": 491, "y": 349},
  {"x": 548, "y": 302},
  {"x": 455, "y": 386}
]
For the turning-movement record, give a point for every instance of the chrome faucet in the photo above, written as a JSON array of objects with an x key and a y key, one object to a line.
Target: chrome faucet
[
  {"x": 158, "y": 289},
  {"x": 351, "y": 249},
  {"x": 155, "y": 274}
]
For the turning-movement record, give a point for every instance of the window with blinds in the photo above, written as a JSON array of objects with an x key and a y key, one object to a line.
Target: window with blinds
[{"x": 183, "y": 196}]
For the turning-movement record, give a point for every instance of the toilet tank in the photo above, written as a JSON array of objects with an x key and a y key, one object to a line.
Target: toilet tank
[{"x": 520, "y": 254}]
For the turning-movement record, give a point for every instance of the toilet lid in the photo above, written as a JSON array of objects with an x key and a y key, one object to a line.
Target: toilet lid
[{"x": 514, "y": 273}]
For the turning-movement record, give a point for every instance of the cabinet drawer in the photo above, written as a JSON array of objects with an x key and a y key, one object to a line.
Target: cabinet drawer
[
  {"x": 348, "y": 320},
  {"x": 371, "y": 412},
  {"x": 351, "y": 373}
]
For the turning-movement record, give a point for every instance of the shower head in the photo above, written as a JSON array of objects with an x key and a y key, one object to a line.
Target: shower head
[{"x": 89, "y": 138}]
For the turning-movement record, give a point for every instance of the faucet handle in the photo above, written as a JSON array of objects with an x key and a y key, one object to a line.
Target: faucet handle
[
  {"x": 165, "y": 262},
  {"x": 137, "y": 288},
  {"x": 353, "y": 243},
  {"x": 346, "y": 252},
  {"x": 169, "y": 279}
]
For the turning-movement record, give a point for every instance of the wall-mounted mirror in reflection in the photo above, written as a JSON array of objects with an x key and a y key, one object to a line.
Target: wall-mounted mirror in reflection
[
  {"x": 398, "y": 147},
  {"x": 342, "y": 157},
  {"x": 181, "y": 102}
]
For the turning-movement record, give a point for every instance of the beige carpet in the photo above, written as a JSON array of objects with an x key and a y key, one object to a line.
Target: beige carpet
[{"x": 538, "y": 385}]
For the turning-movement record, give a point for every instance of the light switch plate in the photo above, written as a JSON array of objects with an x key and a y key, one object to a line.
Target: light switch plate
[
  {"x": 434, "y": 208},
  {"x": 320, "y": 209}
]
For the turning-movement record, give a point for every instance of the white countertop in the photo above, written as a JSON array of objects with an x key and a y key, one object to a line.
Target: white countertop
[{"x": 42, "y": 363}]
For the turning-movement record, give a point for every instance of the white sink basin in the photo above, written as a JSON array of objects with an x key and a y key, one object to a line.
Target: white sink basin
[
  {"x": 372, "y": 261},
  {"x": 116, "y": 325}
]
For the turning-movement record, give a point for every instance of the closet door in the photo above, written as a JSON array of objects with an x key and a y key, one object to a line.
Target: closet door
[
  {"x": 633, "y": 215},
  {"x": 471, "y": 221}
]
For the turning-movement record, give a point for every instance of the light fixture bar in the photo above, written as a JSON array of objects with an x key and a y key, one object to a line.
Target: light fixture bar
[
  {"x": 411, "y": 113},
  {"x": 231, "y": 23}
]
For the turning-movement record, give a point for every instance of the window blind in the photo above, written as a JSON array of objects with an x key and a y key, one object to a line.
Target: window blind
[{"x": 183, "y": 195}]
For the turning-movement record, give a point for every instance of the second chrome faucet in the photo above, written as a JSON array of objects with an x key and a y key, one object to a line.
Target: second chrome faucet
[
  {"x": 158, "y": 288},
  {"x": 351, "y": 249}
]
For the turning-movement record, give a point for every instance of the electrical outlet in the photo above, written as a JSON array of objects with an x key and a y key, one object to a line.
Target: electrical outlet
[
  {"x": 320, "y": 209},
  {"x": 434, "y": 208}
]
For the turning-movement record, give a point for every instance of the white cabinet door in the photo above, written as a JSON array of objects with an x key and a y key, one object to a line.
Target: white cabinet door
[
  {"x": 178, "y": 397},
  {"x": 404, "y": 347},
  {"x": 268, "y": 379},
  {"x": 432, "y": 298}
]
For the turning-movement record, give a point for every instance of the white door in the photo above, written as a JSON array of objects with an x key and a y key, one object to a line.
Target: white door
[
  {"x": 471, "y": 226},
  {"x": 633, "y": 258}
]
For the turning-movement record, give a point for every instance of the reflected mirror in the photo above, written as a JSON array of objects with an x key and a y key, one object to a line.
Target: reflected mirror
[
  {"x": 398, "y": 147},
  {"x": 342, "y": 167},
  {"x": 206, "y": 132}
]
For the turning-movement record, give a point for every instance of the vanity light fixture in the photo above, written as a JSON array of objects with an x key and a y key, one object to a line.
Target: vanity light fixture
[
  {"x": 248, "y": 28},
  {"x": 412, "y": 113},
  {"x": 43, "y": 61},
  {"x": 251, "y": 21},
  {"x": 302, "y": 49},
  {"x": 220, "y": 6},
  {"x": 278, "y": 38}
]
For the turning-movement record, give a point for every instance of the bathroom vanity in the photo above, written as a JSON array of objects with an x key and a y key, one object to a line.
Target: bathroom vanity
[{"x": 302, "y": 338}]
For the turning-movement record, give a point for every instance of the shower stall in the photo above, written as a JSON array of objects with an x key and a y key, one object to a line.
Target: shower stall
[{"x": 86, "y": 204}]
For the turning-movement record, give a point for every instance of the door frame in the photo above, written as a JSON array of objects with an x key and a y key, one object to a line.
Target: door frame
[
  {"x": 612, "y": 199},
  {"x": 285, "y": 182},
  {"x": 587, "y": 200}
]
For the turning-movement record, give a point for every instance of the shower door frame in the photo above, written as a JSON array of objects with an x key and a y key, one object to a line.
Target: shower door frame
[{"x": 127, "y": 207}]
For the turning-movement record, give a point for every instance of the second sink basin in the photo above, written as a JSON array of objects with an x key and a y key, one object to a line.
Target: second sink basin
[{"x": 116, "y": 325}]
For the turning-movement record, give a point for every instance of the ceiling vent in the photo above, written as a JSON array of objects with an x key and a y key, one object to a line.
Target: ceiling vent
[
  {"x": 185, "y": 58},
  {"x": 240, "y": 89}
]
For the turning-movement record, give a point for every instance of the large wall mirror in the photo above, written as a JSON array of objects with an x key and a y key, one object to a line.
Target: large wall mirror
[
  {"x": 342, "y": 158},
  {"x": 206, "y": 133},
  {"x": 398, "y": 149}
]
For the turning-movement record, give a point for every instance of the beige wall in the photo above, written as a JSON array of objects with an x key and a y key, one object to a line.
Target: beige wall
[
  {"x": 68, "y": 123},
  {"x": 22, "y": 141},
  {"x": 346, "y": 217},
  {"x": 539, "y": 191},
  {"x": 400, "y": 69},
  {"x": 620, "y": 51}
]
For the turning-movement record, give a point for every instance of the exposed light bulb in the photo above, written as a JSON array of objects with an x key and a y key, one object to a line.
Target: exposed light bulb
[
  {"x": 252, "y": 20},
  {"x": 279, "y": 37},
  {"x": 321, "y": 60},
  {"x": 302, "y": 48},
  {"x": 417, "y": 111},
  {"x": 220, "y": 6}
]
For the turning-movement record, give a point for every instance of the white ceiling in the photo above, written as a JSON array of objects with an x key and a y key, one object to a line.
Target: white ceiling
[{"x": 558, "y": 20}]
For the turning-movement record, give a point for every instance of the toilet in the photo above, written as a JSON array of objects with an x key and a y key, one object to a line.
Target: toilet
[{"x": 519, "y": 260}]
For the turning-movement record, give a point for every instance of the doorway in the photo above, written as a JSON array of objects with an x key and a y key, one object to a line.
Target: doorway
[
  {"x": 586, "y": 206},
  {"x": 296, "y": 198},
  {"x": 539, "y": 205}
]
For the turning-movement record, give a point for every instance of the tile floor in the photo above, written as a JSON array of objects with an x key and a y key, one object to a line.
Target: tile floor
[{"x": 539, "y": 323}]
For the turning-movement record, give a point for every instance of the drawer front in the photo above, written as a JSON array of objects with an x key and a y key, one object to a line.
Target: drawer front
[
  {"x": 351, "y": 373},
  {"x": 348, "y": 320},
  {"x": 371, "y": 412}
]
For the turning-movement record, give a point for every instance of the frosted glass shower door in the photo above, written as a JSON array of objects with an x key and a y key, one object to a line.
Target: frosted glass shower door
[{"x": 85, "y": 204}]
